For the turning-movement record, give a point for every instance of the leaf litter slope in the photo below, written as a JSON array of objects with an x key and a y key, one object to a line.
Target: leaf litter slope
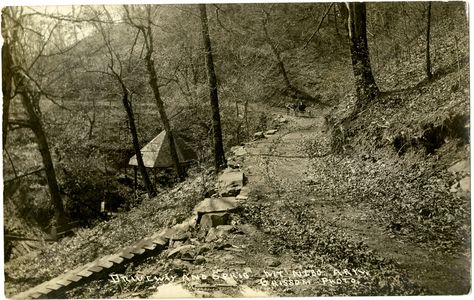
[
  {"x": 318, "y": 211},
  {"x": 148, "y": 218}
]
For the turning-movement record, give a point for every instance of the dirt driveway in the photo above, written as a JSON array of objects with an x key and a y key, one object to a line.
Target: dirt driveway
[{"x": 278, "y": 162}]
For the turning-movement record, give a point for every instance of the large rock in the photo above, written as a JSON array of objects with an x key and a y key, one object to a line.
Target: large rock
[
  {"x": 219, "y": 232},
  {"x": 214, "y": 219},
  {"x": 186, "y": 225},
  {"x": 179, "y": 267},
  {"x": 271, "y": 132},
  {"x": 281, "y": 119},
  {"x": 462, "y": 167},
  {"x": 211, "y": 205},
  {"x": 175, "y": 233},
  {"x": 185, "y": 250},
  {"x": 259, "y": 135},
  {"x": 273, "y": 262},
  {"x": 230, "y": 182},
  {"x": 204, "y": 248},
  {"x": 454, "y": 188},
  {"x": 241, "y": 197},
  {"x": 234, "y": 163},
  {"x": 465, "y": 184},
  {"x": 244, "y": 194},
  {"x": 238, "y": 150},
  {"x": 199, "y": 260},
  {"x": 229, "y": 170}
]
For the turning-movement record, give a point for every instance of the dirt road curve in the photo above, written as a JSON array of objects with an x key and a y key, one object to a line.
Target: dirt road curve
[{"x": 283, "y": 163}]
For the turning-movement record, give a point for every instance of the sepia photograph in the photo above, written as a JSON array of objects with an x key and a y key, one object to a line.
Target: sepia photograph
[{"x": 235, "y": 150}]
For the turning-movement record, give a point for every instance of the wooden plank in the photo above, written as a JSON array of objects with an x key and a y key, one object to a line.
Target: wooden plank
[
  {"x": 151, "y": 246},
  {"x": 43, "y": 289},
  {"x": 127, "y": 252},
  {"x": 98, "y": 265},
  {"x": 116, "y": 259},
  {"x": 159, "y": 240},
  {"x": 80, "y": 268},
  {"x": 140, "y": 243},
  {"x": 53, "y": 286},
  {"x": 105, "y": 263},
  {"x": 85, "y": 273},
  {"x": 138, "y": 250},
  {"x": 127, "y": 255},
  {"x": 95, "y": 269},
  {"x": 63, "y": 281},
  {"x": 146, "y": 243},
  {"x": 73, "y": 277},
  {"x": 127, "y": 249},
  {"x": 36, "y": 295}
]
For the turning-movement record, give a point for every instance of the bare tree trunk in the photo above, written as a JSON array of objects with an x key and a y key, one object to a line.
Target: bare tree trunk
[
  {"x": 153, "y": 81},
  {"x": 335, "y": 21},
  {"x": 6, "y": 87},
  {"x": 246, "y": 117},
  {"x": 429, "y": 74},
  {"x": 37, "y": 128},
  {"x": 136, "y": 144},
  {"x": 92, "y": 120},
  {"x": 219, "y": 156},
  {"x": 344, "y": 15},
  {"x": 239, "y": 125},
  {"x": 128, "y": 109},
  {"x": 30, "y": 100},
  {"x": 276, "y": 53},
  {"x": 366, "y": 87},
  {"x": 147, "y": 33}
]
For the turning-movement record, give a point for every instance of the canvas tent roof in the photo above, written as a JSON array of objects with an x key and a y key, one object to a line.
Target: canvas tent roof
[{"x": 156, "y": 154}]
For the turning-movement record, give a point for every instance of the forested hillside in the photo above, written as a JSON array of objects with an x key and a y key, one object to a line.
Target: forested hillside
[{"x": 349, "y": 124}]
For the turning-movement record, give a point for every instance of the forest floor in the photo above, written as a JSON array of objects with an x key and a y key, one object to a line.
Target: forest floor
[
  {"x": 298, "y": 234},
  {"x": 291, "y": 240}
]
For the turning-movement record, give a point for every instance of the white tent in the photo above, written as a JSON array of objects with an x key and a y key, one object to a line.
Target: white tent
[{"x": 156, "y": 154}]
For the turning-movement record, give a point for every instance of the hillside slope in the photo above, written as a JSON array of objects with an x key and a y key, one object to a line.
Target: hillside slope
[{"x": 384, "y": 196}]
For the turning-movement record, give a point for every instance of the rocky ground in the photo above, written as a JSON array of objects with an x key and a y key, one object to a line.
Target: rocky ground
[
  {"x": 268, "y": 228},
  {"x": 287, "y": 238}
]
